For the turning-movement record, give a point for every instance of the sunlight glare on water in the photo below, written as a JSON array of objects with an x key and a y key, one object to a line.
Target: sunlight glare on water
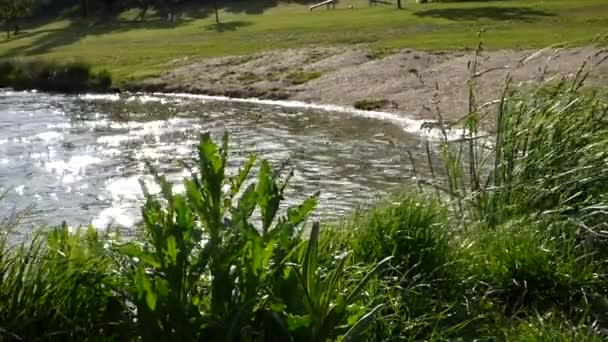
[{"x": 81, "y": 158}]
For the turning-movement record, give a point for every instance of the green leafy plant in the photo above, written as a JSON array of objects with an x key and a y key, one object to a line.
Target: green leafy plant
[
  {"x": 326, "y": 308},
  {"x": 206, "y": 269}
]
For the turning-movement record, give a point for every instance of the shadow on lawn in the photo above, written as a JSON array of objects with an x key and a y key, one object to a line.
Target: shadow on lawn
[
  {"x": 227, "y": 26},
  {"x": 488, "y": 12},
  {"x": 44, "y": 41},
  {"x": 259, "y": 6},
  {"x": 78, "y": 29}
]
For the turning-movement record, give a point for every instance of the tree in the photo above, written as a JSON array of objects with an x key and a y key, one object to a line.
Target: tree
[
  {"x": 84, "y": 8},
  {"x": 11, "y": 10},
  {"x": 143, "y": 5},
  {"x": 217, "y": 16},
  {"x": 167, "y": 8},
  {"x": 399, "y": 4}
]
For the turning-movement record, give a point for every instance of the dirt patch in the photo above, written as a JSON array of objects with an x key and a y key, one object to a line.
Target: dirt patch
[{"x": 410, "y": 82}]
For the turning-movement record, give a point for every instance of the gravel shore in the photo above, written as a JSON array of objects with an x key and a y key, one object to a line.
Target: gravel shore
[{"x": 409, "y": 82}]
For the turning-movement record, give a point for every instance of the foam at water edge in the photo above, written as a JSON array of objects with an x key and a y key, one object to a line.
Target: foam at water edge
[
  {"x": 407, "y": 124},
  {"x": 106, "y": 97}
]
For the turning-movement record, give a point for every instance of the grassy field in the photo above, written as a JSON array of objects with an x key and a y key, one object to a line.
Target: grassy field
[{"x": 131, "y": 50}]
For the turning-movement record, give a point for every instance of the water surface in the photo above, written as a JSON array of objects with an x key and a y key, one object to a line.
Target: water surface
[{"x": 80, "y": 158}]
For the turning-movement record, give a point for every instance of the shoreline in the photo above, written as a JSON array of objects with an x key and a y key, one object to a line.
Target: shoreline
[
  {"x": 412, "y": 87},
  {"x": 407, "y": 123},
  {"x": 408, "y": 83}
]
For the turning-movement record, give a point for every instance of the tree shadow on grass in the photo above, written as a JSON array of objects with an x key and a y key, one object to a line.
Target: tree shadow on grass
[
  {"x": 259, "y": 6},
  {"x": 23, "y": 34},
  {"x": 237, "y": 7},
  {"x": 227, "y": 26},
  {"x": 46, "y": 40},
  {"x": 488, "y": 12}
]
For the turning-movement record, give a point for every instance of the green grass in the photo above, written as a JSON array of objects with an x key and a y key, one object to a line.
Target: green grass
[
  {"x": 301, "y": 77},
  {"x": 248, "y": 77},
  {"x": 370, "y": 104},
  {"x": 134, "y": 50}
]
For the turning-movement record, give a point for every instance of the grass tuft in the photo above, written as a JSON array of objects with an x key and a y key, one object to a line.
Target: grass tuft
[
  {"x": 370, "y": 104},
  {"x": 301, "y": 77}
]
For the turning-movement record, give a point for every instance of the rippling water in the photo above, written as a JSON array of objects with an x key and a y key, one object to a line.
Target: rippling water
[{"x": 80, "y": 158}]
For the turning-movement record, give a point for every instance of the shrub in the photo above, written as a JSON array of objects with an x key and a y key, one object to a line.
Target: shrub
[
  {"x": 6, "y": 69},
  {"x": 49, "y": 76},
  {"x": 102, "y": 80}
]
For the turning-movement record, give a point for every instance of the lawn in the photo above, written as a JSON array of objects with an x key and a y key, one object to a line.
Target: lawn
[{"x": 131, "y": 50}]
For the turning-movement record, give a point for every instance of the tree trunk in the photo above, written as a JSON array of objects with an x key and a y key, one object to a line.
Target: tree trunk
[
  {"x": 217, "y": 16},
  {"x": 399, "y": 4},
  {"x": 9, "y": 23},
  {"x": 84, "y": 7}
]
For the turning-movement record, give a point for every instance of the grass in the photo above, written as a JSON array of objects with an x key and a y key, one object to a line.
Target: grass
[
  {"x": 370, "y": 104},
  {"x": 134, "y": 50},
  {"x": 248, "y": 78},
  {"x": 508, "y": 245},
  {"x": 301, "y": 77}
]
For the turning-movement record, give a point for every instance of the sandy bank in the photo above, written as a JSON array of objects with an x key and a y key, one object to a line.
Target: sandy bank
[{"x": 410, "y": 82}]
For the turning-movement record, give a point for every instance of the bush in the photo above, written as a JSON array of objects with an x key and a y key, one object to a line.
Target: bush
[
  {"x": 102, "y": 80},
  {"x": 6, "y": 70},
  {"x": 49, "y": 76},
  {"x": 205, "y": 271}
]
